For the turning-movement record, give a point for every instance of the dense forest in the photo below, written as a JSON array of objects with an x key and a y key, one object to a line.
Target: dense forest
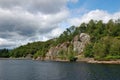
[{"x": 104, "y": 43}]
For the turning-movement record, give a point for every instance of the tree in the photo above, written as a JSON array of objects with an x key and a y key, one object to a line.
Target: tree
[
  {"x": 62, "y": 54},
  {"x": 71, "y": 54},
  {"x": 88, "y": 51},
  {"x": 91, "y": 26},
  {"x": 4, "y": 53},
  {"x": 115, "y": 48},
  {"x": 99, "y": 50}
]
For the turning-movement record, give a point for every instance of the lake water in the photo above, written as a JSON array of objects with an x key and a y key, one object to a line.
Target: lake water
[{"x": 38, "y": 70}]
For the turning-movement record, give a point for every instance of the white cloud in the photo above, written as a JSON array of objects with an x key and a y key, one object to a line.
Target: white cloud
[
  {"x": 95, "y": 15},
  {"x": 23, "y": 25},
  {"x": 43, "y": 6},
  {"x": 6, "y": 43},
  {"x": 23, "y": 21},
  {"x": 55, "y": 32}
]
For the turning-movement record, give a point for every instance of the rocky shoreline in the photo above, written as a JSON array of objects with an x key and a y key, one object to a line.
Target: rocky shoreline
[
  {"x": 87, "y": 60},
  {"x": 91, "y": 60},
  {"x": 105, "y": 62}
]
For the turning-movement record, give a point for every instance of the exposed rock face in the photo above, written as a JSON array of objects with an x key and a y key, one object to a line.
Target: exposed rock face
[
  {"x": 79, "y": 42},
  {"x": 53, "y": 51},
  {"x": 29, "y": 56},
  {"x": 85, "y": 38}
]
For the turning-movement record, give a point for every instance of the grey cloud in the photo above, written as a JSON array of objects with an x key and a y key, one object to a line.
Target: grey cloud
[
  {"x": 44, "y": 6},
  {"x": 4, "y": 43},
  {"x": 9, "y": 46},
  {"x": 23, "y": 21},
  {"x": 26, "y": 27},
  {"x": 25, "y": 24}
]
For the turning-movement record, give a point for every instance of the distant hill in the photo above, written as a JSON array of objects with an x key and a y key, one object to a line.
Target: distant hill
[{"x": 95, "y": 39}]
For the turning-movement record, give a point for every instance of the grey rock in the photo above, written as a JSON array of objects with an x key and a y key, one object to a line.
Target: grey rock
[{"x": 79, "y": 42}]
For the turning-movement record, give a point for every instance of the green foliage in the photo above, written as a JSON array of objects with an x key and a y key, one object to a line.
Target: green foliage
[
  {"x": 88, "y": 51},
  {"x": 67, "y": 54},
  {"x": 31, "y": 48},
  {"x": 107, "y": 48},
  {"x": 67, "y": 35},
  {"x": 62, "y": 54},
  {"x": 4, "y": 53},
  {"x": 40, "y": 53},
  {"x": 99, "y": 50},
  {"x": 104, "y": 39},
  {"x": 71, "y": 54},
  {"x": 115, "y": 48},
  {"x": 105, "y": 42}
]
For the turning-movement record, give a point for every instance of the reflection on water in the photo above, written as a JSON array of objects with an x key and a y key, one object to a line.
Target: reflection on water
[{"x": 36, "y": 70}]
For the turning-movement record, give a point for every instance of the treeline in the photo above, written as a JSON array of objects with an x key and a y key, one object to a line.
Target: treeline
[
  {"x": 105, "y": 41},
  {"x": 34, "y": 49},
  {"x": 30, "y": 49},
  {"x": 4, "y": 53}
]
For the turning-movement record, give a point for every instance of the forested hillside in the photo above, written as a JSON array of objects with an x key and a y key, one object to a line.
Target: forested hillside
[{"x": 104, "y": 42}]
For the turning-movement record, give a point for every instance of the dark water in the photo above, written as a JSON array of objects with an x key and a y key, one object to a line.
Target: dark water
[{"x": 36, "y": 70}]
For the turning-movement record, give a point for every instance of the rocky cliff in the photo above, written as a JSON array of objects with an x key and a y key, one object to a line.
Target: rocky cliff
[
  {"x": 79, "y": 42},
  {"x": 77, "y": 45}
]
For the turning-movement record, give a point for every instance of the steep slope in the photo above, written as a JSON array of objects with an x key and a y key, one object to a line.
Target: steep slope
[
  {"x": 68, "y": 50},
  {"x": 95, "y": 39}
]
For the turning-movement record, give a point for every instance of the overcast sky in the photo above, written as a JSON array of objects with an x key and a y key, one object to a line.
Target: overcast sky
[{"x": 23, "y": 21}]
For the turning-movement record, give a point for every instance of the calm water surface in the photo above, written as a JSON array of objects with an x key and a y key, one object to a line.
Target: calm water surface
[{"x": 36, "y": 70}]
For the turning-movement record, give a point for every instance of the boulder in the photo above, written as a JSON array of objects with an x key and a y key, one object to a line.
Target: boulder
[{"x": 80, "y": 42}]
